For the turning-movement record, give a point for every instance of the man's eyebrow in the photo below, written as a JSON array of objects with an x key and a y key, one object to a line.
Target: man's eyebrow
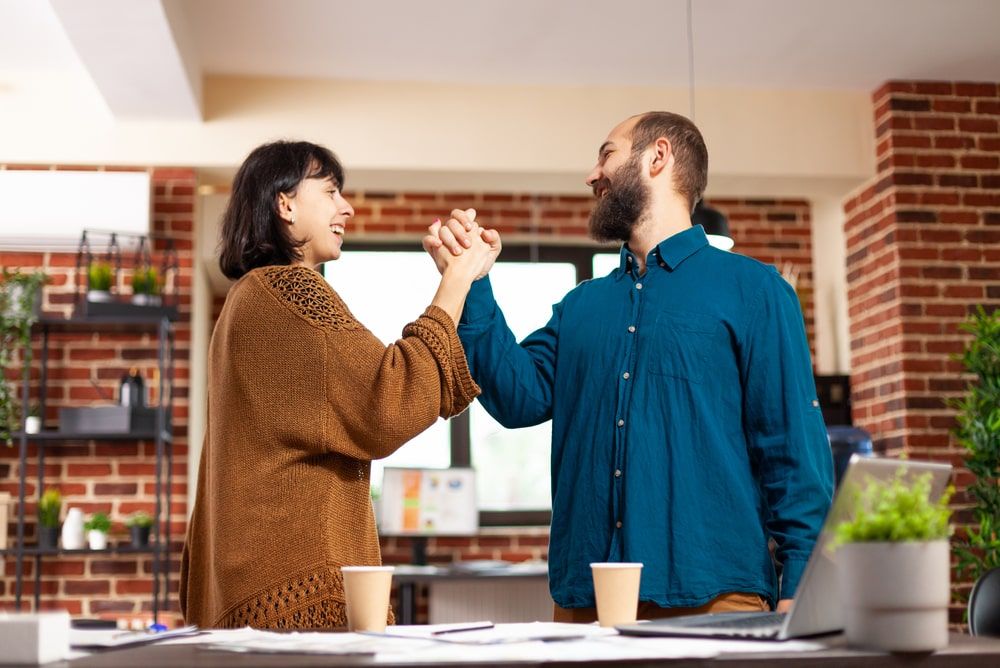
[{"x": 605, "y": 145}]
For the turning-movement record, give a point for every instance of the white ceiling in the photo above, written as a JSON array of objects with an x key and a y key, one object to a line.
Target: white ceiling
[
  {"x": 747, "y": 43},
  {"x": 785, "y": 44}
]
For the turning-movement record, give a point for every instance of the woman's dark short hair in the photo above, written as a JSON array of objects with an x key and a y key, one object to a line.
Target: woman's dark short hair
[{"x": 253, "y": 234}]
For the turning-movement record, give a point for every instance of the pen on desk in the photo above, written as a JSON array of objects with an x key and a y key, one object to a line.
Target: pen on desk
[{"x": 470, "y": 627}]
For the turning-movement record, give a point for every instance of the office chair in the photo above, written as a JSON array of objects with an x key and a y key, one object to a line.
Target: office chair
[{"x": 984, "y": 605}]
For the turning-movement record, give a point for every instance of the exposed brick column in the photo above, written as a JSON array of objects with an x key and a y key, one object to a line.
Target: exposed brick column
[{"x": 923, "y": 244}]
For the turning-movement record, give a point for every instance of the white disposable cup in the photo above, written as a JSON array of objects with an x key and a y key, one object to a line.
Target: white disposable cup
[
  {"x": 616, "y": 588},
  {"x": 366, "y": 590}
]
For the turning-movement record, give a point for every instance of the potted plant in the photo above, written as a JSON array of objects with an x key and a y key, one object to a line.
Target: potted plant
[
  {"x": 977, "y": 552},
  {"x": 49, "y": 509},
  {"x": 893, "y": 562},
  {"x": 33, "y": 421},
  {"x": 146, "y": 286},
  {"x": 139, "y": 525},
  {"x": 20, "y": 299},
  {"x": 100, "y": 277},
  {"x": 97, "y": 527}
]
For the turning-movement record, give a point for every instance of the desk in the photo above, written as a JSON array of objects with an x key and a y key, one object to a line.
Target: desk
[
  {"x": 524, "y": 595},
  {"x": 963, "y": 651}
]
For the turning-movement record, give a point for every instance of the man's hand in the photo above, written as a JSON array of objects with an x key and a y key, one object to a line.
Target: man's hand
[
  {"x": 455, "y": 235},
  {"x": 784, "y": 605}
]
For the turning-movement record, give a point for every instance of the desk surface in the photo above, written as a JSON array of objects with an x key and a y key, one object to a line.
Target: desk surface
[{"x": 963, "y": 651}]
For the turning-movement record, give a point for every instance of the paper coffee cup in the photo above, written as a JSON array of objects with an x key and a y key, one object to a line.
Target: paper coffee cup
[
  {"x": 616, "y": 588},
  {"x": 366, "y": 590}
]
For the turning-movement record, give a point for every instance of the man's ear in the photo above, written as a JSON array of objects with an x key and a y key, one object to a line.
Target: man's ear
[{"x": 663, "y": 156}]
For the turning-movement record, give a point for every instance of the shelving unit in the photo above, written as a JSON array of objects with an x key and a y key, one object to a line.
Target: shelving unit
[{"x": 161, "y": 435}]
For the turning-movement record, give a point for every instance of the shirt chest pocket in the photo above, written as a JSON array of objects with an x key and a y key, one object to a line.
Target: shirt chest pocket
[{"x": 680, "y": 344}]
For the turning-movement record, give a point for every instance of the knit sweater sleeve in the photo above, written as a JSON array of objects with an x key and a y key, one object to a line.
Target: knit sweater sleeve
[{"x": 379, "y": 397}]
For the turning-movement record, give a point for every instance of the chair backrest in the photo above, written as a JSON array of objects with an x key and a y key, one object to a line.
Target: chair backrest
[{"x": 984, "y": 605}]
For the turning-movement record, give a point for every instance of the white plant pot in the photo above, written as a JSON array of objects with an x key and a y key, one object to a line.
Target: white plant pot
[
  {"x": 146, "y": 300},
  {"x": 98, "y": 296},
  {"x": 72, "y": 530},
  {"x": 98, "y": 540},
  {"x": 895, "y": 595},
  {"x": 32, "y": 424}
]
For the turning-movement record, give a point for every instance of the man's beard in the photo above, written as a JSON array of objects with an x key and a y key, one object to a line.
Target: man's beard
[{"x": 617, "y": 213}]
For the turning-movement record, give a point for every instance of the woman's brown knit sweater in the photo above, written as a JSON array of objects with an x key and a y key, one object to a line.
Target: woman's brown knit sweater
[{"x": 301, "y": 398}]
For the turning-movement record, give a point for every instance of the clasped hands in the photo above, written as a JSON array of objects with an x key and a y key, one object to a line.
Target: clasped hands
[{"x": 461, "y": 244}]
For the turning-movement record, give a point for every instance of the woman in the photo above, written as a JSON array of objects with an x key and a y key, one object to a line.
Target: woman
[{"x": 301, "y": 398}]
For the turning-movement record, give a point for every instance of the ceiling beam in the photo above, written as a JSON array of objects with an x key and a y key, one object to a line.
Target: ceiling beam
[{"x": 140, "y": 54}]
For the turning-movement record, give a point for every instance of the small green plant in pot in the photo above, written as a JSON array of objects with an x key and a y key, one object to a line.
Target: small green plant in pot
[
  {"x": 100, "y": 277},
  {"x": 139, "y": 525},
  {"x": 97, "y": 527},
  {"x": 146, "y": 286},
  {"x": 20, "y": 300},
  {"x": 893, "y": 562},
  {"x": 49, "y": 511}
]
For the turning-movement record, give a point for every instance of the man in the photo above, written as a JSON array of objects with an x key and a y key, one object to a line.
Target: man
[{"x": 685, "y": 426}]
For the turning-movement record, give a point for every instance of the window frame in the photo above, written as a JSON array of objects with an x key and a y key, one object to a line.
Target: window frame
[{"x": 582, "y": 259}]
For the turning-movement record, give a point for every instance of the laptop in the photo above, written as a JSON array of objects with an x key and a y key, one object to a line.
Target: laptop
[{"x": 817, "y": 609}]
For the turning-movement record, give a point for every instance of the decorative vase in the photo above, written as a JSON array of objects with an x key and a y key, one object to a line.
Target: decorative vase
[
  {"x": 32, "y": 424},
  {"x": 48, "y": 537},
  {"x": 72, "y": 530},
  {"x": 140, "y": 536},
  {"x": 98, "y": 540},
  {"x": 895, "y": 595}
]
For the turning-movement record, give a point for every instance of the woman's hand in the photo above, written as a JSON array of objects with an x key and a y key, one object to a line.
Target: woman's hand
[{"x": 459, "y": 235}]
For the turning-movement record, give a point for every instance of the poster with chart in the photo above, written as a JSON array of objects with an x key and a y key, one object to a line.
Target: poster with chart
[{"x": 428, "y": 502}]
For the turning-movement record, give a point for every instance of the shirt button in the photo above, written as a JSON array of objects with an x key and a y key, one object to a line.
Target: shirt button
[
  {"x": 625, "y": 375},
  {"x": 618, "y": 524},
  {"x": 638, "y": 286},
  {"x": 631, "y": 329},
  {"x": 621, "y": 423},
  {"x": 618, "y": 474}
]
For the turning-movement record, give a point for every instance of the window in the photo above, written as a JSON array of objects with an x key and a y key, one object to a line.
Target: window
[
  {"x": 513, "y": 481},
  {"x": 369, "y": 283}
]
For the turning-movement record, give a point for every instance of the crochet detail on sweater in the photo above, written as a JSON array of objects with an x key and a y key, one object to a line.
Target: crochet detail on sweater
[
  {"x": 302, "y": 602},
  {"x": 306, "y": 293}
]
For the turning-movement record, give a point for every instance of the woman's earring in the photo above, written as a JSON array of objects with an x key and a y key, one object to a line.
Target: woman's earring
[{"x": 291, "y": 220}]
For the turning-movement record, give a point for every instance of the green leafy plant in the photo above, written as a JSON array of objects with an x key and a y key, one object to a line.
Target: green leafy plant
[
  {"x": 98, "y": 522},
  {"x": 895, "y": 511},
  {"x": 99, "y": 276},
  {"x": 978, "y": 432},
  {"x": 139, "y": 519},
  {"x": 49, "y": 508},
  {"x": 19, "y": 296},
  {"x": 146, "y": 281}
]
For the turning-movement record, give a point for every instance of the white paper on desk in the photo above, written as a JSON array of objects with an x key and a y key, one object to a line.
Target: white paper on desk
[
  {"x": 268, "y": 642},
  {"x": 115, "y": 638},
  {"x": 502, "y": 633}
]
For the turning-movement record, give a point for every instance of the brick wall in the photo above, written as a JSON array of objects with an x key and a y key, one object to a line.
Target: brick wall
[
  {"x": 117, "y": 478},
  {"x": 923, "y": 250}
]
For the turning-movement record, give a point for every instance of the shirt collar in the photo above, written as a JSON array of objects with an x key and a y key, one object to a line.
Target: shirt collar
[
  {"x": 671, "y": 251},
  {"x": 676, "y": 248}
]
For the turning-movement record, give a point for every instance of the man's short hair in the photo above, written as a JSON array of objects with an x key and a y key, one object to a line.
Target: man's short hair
[{"x": 687, "y": 144}]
